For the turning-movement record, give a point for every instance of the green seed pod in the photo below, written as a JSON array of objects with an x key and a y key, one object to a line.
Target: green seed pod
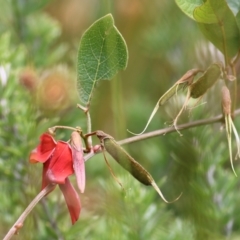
[
  {"x": 127, "y": 162},
  {"x": 206, "y": 81},
  {"x": 124, "y": 159}
]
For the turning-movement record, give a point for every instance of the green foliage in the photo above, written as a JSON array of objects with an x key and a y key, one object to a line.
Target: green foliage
[
  {"x": 162, "y": 49},
  {"x": 217, "y": 22},
  {"x": 102, "y": 53},
  {"x": 206, "y": 81},
  {"x": 188, "y": 6}
]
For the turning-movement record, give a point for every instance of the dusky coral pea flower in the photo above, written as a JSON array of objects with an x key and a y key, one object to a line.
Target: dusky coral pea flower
[{"x": 57, "y": 159}]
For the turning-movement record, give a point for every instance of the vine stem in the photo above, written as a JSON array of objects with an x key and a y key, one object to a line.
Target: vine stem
[
  {"x": 19, "y": 223},
  {"x": 89, "y": 124}
]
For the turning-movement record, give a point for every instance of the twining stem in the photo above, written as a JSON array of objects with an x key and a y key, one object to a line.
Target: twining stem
[
  {"x": 29, "y": 208},
  {"x": 53, "y": 129},
  {"x": 89, "y": 128},
  {"x": 89, "y": 125}
]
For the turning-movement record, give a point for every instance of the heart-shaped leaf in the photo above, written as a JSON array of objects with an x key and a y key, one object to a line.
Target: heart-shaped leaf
[
  {"x": 102, "y": 53},
  {"x": 219, "y": 21}
]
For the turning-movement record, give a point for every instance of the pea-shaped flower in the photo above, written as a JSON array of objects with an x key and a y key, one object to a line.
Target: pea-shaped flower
[{"x": 59, "y": 159}]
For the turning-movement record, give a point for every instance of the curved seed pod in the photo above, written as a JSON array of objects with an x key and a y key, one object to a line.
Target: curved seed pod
[
  {"x": 128, "y": 163},
  {"x": 78, "y": 160},
  {"x": 206, "y": 81},
  {"x": 185, "y": 80}
]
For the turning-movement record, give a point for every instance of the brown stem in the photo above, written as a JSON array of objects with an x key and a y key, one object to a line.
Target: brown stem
[
  {"x": 164, "y": 131},
  {"x": 144, "y": 136},
  {"x": 52, "y": 130},
  {"x": 29, "y": 208}
]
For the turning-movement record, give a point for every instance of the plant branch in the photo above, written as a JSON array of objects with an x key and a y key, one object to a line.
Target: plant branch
[
  {"x": 19, "y": 223},
  {"x": 89, "y": 124},
  {"x": 173, "y": 129},
  {"x": 164, "y": 131}
]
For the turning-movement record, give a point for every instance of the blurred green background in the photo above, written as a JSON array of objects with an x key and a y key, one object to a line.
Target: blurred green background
[{"x": 38, "y": 52}]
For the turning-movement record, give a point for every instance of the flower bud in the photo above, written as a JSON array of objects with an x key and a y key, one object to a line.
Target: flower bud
[
  {"x": 29, "y": 79},
  {"x": 226, "y": 101}
]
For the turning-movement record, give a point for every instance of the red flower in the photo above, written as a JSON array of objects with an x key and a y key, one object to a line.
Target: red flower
[{"x": 57, "y": 159}]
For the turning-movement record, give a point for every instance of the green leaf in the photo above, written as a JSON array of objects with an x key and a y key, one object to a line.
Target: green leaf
[
  {"x": 216, "y": 20},
  {"x": 102, "y": 53},
  {"x": 188, "y": 6},
  {"x": 205, "y": 13},
  {"x": 238, "y": 19},
  {"x": 218, "y": 24}
]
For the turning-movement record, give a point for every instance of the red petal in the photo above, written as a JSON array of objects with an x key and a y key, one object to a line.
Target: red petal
[
  {"x": 44, "y": 150},
  {"x": 61, "y": 164},
  {"x": 45, "y": 180},
  {"x": 78, "y": 160},
  {"x": 72, "y": 200}
]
